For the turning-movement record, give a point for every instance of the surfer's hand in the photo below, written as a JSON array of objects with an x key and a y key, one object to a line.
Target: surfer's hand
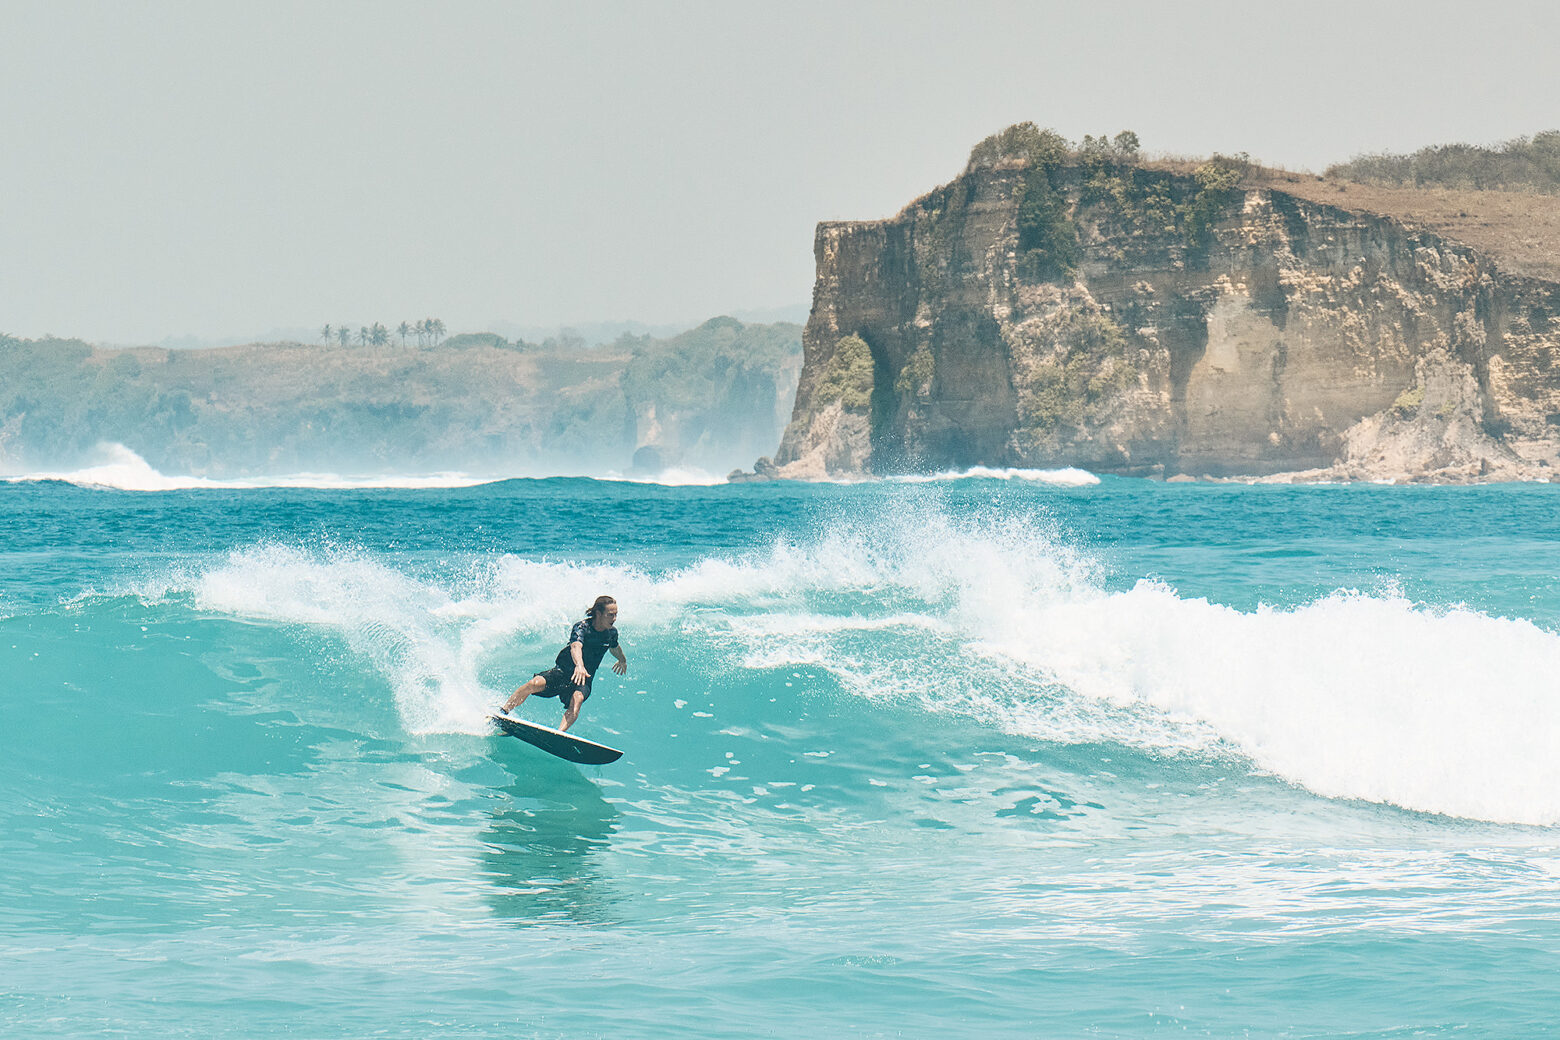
[
  {"x": 620, "y": 666},
  {"x": 581, "y": 676}
]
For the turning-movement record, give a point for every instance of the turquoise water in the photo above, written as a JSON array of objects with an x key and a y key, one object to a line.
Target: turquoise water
[{"x": 959, "y": 757}]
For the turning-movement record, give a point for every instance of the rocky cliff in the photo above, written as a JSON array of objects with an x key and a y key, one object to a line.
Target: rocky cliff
[{"x": 1054, "y": 309}]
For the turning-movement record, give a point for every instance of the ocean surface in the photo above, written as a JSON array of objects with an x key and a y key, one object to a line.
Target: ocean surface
[{"x": 1004, "y": 753}]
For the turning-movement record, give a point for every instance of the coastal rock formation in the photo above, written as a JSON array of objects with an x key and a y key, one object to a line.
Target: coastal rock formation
[{"x": 1054, "y": 309}]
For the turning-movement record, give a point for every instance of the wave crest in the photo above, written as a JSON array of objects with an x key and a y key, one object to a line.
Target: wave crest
[
  {"x": 1364, "y": 696},
  {"x": 1066, "y": 477},
  {"x": 119, "y": 468}
]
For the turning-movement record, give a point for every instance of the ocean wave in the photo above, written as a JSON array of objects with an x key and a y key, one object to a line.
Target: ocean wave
[
  {"x": 1444, "y": 710},
  {"x": 1367, "y": 696},
  {"x": 673, "y": 476},
  {"x": 119, "y": 468},
  {"x": 1067, "y": 477}
]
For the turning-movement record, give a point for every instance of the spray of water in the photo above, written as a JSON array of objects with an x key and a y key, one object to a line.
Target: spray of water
[{"x": 1365, "y": 696}]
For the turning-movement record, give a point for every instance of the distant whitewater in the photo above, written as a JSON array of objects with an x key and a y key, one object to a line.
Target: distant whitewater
[
  {"x": 118, "y": 467},
  {"x": 1066, "y": 477}
]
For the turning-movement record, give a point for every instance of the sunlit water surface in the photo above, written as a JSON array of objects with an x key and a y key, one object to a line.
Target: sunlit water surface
[{"x": 1014, "y": 753}]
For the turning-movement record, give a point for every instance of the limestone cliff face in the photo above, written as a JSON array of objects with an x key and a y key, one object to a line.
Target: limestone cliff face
[{"x": 1239, "y": 331}]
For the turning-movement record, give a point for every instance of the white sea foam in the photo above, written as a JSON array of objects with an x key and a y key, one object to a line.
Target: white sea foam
[
  {"x": 412, "y": 631},
  {"x": 432, "y": 634},
  {"x": 1068, "y": 477},
  {"x": 672, "y": 476},
  {"x": 1445, "y": 710},
  {"x": 1364, "y": 696},
  {"x": 119, "y": 468}
]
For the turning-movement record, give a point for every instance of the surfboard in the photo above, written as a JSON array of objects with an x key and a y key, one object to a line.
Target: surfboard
[{"x": 557, "y": 742}]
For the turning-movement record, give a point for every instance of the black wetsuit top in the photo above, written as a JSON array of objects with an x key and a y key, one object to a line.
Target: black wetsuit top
[{"x": 593, "y": 646}]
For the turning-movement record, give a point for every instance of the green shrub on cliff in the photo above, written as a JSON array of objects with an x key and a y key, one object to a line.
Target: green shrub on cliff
[
  {"x": 916, "y": 377},
  {"x": 1106, "y": 173},
  {"x": 1125, "y": 194},
  {"x": 1048, "y": 244},
  {"x": 848, "y": 378},
  {"x": 1408, "y": 402},
  {"x": 1086, "y": 368},
  {"x": 1023, "y": 142},
  {"x": 1218, "y": 188},
  {"x": 1047, "y": 237},
  {"x": 1125, "y": 199},
  {"x": 1222, "y": 174}
]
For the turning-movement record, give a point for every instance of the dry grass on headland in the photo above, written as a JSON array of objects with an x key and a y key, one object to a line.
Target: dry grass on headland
[{"x": 1518, "y": 229}]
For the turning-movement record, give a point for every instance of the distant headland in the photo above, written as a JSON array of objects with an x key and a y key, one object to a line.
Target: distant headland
[
  {"x": 1073, "y": 304},
  {"x": 414, "y": 400}
]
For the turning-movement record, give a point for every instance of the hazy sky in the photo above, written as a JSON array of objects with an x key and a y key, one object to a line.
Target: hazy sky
[{"x": 224, "y": 169}]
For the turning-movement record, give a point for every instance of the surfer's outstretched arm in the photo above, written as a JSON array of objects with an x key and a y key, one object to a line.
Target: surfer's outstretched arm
[{"x": 621, "y": 668}]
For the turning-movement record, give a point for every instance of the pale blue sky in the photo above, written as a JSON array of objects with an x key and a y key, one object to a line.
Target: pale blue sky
[{"x": 224, "y": 169}]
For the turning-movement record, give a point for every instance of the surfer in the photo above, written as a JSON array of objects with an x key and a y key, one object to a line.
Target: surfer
[{"x": 569, "y": 679}]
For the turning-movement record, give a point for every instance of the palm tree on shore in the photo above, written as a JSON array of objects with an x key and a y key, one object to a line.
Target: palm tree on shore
[
  {"x": 402, "y": 330},
  {"x": 343, "y": 335},
  {"x": 326, "y": 333}
]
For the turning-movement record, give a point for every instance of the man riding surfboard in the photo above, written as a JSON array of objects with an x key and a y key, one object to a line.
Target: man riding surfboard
[{"x": 570, "y": 677}]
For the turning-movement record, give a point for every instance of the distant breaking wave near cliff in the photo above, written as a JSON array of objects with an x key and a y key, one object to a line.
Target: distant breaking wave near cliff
[
  {"x": 1066, "y": 477},
  {"x": 118, "y": 467}
]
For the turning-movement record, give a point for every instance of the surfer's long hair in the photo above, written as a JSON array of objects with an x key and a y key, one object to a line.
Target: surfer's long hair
[{"x": 595, "y": 609}]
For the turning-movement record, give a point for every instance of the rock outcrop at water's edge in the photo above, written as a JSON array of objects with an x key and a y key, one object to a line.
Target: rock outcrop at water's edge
[{"x": 1160, "y": 322}]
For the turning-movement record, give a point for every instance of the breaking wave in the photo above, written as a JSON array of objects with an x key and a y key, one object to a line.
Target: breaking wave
[
  {"x": 119, "y": 468},
  {"x": 1067, "y": 477},
  {"x": 1441, "y": 709}
]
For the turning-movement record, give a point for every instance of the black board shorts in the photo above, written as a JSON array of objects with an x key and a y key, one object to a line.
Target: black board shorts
[{"x": 560, "y": 684}]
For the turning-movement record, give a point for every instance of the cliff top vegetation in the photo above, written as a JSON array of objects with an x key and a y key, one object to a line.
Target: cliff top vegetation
[
  {"x": 1503, "y": 200},
  {"x": 1521, "y": 164}
]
